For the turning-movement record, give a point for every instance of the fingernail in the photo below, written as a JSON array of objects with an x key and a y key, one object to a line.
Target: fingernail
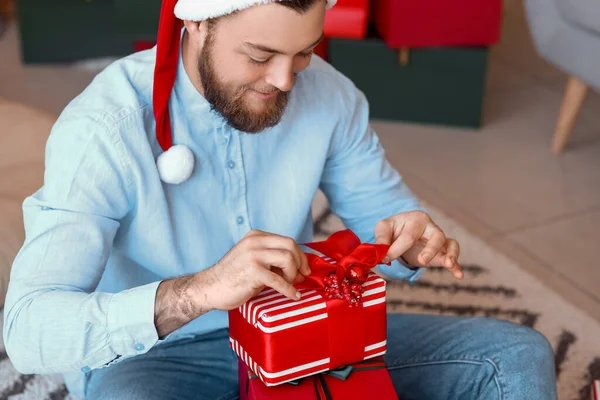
[
  {"x": 386, "y": 260},
  {"x": 427, "y": 257},
  {"x": 298, "y": 295}
]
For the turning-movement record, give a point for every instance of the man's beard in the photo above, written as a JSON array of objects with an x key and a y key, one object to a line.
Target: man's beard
[{"x": 229, "y": 102}]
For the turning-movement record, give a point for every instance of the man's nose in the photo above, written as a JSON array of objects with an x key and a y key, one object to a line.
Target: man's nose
[{"x": 282, "y": 76}]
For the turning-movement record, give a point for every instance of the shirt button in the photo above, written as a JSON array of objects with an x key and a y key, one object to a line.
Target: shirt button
[
  {"x": 231, "y": 165},
  {"x": 240, "y": 220},
  {"x": 86, "y": 369},
  {"x": 139, "y": 347}
]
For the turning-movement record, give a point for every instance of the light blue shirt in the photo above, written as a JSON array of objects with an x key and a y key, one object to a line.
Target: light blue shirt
[{"x": 104, "y": 231}]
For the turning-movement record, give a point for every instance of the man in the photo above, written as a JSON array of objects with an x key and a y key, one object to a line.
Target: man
[{"x": 171, "y": 198}]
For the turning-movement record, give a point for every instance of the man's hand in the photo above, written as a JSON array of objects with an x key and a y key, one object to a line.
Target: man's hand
[
  {"x": 419, "y": 241},
  {"x": 257, "y": 261}
]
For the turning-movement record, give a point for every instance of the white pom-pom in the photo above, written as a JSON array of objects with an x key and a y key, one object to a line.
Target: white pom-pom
[{"x": 176, "y": 164}]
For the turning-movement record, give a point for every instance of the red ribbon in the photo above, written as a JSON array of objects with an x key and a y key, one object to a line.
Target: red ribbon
[
  {"x": 346, "y": 249},
  {"x": 346, "y": 324}
]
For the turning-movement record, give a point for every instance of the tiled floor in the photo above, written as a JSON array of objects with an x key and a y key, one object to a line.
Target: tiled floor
[{"x": 501, "y": 181}]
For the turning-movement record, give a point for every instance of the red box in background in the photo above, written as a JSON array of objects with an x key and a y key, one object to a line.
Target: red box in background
[
  {"x": 141, "y": 45},
  {"x": 437, "y": 23},
  {"x": 369, "y": 380},
  {"x": 347, "y": 20}
]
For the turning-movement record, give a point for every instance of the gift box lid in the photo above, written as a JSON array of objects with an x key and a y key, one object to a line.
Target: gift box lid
[{"x": 270, "y": 311}]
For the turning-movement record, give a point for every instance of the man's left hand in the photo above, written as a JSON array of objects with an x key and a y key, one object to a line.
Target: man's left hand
[{"x": 419, "y": 241}]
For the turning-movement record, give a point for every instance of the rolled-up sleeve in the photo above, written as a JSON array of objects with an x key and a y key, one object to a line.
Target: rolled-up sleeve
[
  {"x": 359, "y": 182},
  {"x": 55, "y": 321}
]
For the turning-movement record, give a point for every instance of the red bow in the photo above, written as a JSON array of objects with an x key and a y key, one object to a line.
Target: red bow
[{"x": 348, "y": 266}]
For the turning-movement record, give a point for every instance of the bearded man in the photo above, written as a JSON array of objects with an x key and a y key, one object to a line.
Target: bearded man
[{"x": 179, "y": 184}]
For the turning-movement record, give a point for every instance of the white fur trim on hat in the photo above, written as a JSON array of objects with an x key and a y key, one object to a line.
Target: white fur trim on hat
[
  {"x": 175, "y": 165},
  {"x": 200, "y": 10}
]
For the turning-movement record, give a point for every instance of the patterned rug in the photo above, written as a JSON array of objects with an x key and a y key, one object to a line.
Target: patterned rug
[{"x": 494, "y": 286}]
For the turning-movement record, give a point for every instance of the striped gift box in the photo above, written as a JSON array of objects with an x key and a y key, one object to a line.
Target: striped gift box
[
  {"x": 283, "y": 340},
  {"x": 595, "y": 392}
]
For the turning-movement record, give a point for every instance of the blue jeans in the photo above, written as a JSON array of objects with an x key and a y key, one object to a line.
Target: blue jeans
[{"x": 429, "y": 357}]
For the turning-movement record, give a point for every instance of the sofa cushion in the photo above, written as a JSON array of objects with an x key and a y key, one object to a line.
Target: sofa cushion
[
  {"x": 22, "y": 143},
  {"x": 583, "y": 13}
]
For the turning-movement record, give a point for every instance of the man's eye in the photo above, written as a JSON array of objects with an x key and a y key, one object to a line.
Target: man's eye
[
  {"x": 257, "y": 62},
  {"x": 307, "y": 55}
]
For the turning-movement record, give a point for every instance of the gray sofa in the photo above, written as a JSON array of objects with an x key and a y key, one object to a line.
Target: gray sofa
[{"x": 567, "y": 34}]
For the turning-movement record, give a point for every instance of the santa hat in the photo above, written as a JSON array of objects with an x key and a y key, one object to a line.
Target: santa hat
[{"x": 176, "y": 163}]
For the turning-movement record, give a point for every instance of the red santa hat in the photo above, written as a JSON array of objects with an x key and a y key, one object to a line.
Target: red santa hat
[{"x": 176, "y": 163}]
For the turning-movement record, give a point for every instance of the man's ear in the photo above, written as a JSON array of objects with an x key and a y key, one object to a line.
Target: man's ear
[{"x": 197, "y": 31}]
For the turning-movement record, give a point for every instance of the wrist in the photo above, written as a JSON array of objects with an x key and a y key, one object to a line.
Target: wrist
[
  {"x": 205, "y": 290},
  {"x": 179, "y": 301}
]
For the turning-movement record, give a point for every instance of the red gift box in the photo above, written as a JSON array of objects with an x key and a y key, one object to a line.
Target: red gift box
[
  {"x": 431, "y": 23},
  {"x": 366, "y": 380},
  {"x": 283, "y": 340},
  {"x": 348, "y": 19}
]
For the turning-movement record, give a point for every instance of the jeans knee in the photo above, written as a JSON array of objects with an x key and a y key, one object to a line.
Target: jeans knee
[
  {"x": 536, "y": 346},
  {"x": 524, "y": 344}
]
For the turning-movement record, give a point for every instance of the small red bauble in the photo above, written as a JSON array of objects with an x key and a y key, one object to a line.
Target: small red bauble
[{"x": 357, "y": 273}]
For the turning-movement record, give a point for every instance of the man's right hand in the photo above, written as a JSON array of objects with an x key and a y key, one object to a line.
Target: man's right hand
[{"x": 257, "y": 261}]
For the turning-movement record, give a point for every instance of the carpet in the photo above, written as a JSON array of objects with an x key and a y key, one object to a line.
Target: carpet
[{"x": 494, "y": 286}]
